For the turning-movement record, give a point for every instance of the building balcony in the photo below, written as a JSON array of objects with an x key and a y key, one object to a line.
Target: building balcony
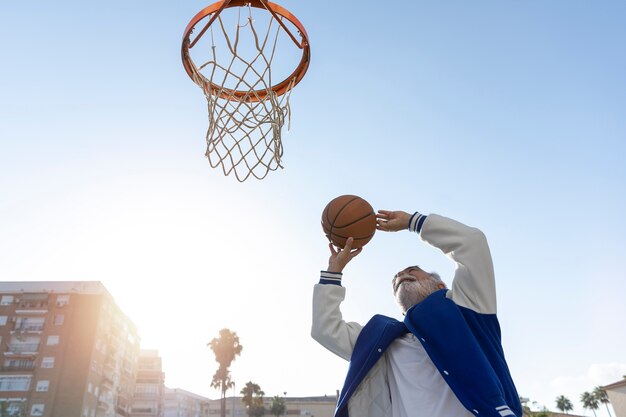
[
  {"x": 150, "y": 373},
  {"x": 123, "y": 402},
  {"x": 143, "y": 411},
  {"x": 33, "y": 311},
  {"x": 121, "y": 411},
  {"x": 22, "y": 349},
  {"x": 107, "y": 381},
  {"x": 147, "y": 395},
  {"x": 140, "y": 379},
  {"x": 104, "y": 405},
  {"x": 18, "y": 368},
  {"x": 124, "y": 397},
  {"x": 28, "y": 328}
]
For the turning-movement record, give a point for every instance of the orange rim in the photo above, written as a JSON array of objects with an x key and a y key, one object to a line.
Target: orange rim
[{"x": 255, "y": 95}]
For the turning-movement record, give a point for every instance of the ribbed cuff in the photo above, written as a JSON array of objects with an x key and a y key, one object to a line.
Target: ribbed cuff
[
  {"x": 416, "y": 222},
  {"x": 330, "y": 277}
]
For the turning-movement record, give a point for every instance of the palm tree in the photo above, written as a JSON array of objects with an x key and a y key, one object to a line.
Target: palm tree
[
  {"x": 601, "y": 396},
  {"x": 589, "y": 401},
  {"x": 253, "y": 399},
  {"x": 564, "y": 404},
  {"x": 278, "y": 406},
  {"x": 225, "y": 347}
]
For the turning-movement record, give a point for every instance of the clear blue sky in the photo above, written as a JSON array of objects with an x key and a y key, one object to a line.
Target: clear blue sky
[{"x": 507, "y": 115}]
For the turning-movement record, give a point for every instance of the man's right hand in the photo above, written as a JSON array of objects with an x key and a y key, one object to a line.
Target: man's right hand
[
  {"x": 340, "y": 258},
  {"x": 392, "y": 221}
]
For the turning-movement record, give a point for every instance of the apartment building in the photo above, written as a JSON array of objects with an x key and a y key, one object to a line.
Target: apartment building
[
  {"x": 67, "y": 351},
  {"x": 149, "y": 386},
  {"x": 181, "y": 403},
  {"x": 617, "y": 396}
]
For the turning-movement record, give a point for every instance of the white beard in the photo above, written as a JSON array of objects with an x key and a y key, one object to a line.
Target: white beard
[{"x": 412, "y": 292}]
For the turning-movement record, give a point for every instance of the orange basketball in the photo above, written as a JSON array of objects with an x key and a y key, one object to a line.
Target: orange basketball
[{"x": 349, "y": 216}]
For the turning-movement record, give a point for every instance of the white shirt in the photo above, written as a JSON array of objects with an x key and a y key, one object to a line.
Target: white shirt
[{"x": 417, "y": 388}]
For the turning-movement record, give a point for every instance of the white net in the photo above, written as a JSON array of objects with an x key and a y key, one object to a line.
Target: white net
[{"x": 246, "y": 116}]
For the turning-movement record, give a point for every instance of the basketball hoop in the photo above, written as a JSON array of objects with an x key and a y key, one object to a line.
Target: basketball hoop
[{"x": 247, "y": 110}]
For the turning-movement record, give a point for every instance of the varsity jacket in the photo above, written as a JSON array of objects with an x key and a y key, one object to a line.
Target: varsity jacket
[{"x": 458, "y": 329}]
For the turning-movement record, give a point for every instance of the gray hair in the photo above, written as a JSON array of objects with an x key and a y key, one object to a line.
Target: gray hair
[
  {"x": 433, "y": 274},
  {"x": 436, "y": 277}
]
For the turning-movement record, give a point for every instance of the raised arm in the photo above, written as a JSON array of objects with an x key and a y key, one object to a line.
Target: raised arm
[
  {"x": 329, "y": 328},
  {"x": 474, "y": 282}
]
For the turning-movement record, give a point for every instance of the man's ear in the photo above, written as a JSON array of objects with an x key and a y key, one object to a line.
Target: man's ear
[{"x": 441, "y": 286}]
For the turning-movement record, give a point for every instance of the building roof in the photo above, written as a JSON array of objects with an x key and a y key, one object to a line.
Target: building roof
[
  {"x": 171, "y": 391},
  {"x": 322, "y": 398},
  {"x": 26, "y": 288},
  {"x": 617, "y": 384},
  {"x": 82, "y": 287}
]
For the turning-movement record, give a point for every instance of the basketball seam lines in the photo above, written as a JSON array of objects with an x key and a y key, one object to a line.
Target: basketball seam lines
[
  {"x": 332, "y": 224},
  {"x": 357, "y": 220}
]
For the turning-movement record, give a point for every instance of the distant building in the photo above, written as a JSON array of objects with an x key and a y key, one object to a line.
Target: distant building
[
  {"x": 67, "y": 351},
  {"x": 149, "y": 386},
  {"x": 323, "y": 406},
  {"x": 617, "y": 396},
  {"x": 181, "y": 403}
]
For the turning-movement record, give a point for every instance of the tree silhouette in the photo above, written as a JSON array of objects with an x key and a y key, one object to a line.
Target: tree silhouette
[
  {"x": 225, "y": 347},
  {"x": 278, "y": 406},
  {"x": 564, "y": 404},
  {"x": 253, "y": 399},
  {"x": 589, "y": 401},
  {"x": 602, "y": 397}
]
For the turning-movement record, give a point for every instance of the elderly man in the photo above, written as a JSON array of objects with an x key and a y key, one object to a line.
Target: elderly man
[{"x": 445, "y": 359}]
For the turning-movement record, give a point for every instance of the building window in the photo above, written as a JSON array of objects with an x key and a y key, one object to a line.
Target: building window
[
  {"x": 37, "y": 410},
  {"x": 18, "y": 364},
  {"x": 63, "y": 300},
  {"x": 23, "y": 344},
  {"x": 14, "y": 383},
  {"x": 34, "y": 300},
  {"x": 59, "y": 319},
  {"x": 3, "y": 320},
  {"x": 147, "y": 389},
  {"x": 42, "y": 386},
  {"x": 6, "y": 300},
  {"x": 52, "y": 340},
  {"x": 47, "y": 362},
  {"x": 15, "y": 407},
  {"x": 145, "y": 407},
  {"x": 29, "y": 324}
]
